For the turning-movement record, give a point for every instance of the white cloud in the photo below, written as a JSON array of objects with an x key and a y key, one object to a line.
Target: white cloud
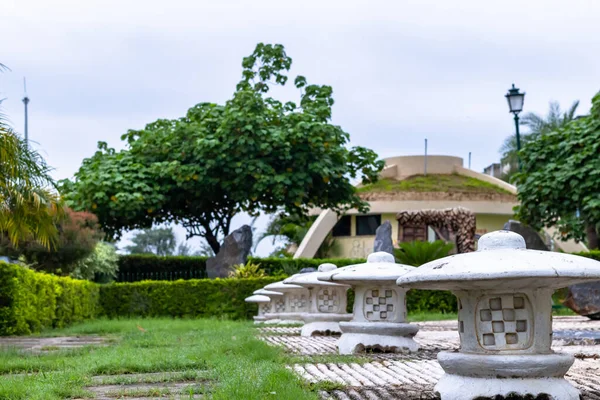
[{"x": 401, "y": 70}]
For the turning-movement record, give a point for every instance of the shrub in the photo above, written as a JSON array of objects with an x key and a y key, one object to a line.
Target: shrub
[
  {"x": 78, "y": 235},
  {"x": 103, "y": 262},
  {"x": 418, "y": 253},
  {"x": 248, "y": 270},
  {"x": 31, "y": 301},
  {"x": 182, "y": 298}
]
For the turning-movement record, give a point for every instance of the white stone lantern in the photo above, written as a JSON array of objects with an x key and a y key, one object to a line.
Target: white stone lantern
[
  {"x": 328, "y": 302},
  {"x": 289, "y": 308},
  {"x": 261, "y": 301},
  {"x": 504, "y": 318},
  {"x": 379, "y": 320},
  {"x": 267, "y": 308}
]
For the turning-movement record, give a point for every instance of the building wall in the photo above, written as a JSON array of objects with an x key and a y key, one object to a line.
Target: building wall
[
  {"x": 405, "y": 166},
  {"x": 361, "y": 246},
  {"x": 490, "y": 222}
]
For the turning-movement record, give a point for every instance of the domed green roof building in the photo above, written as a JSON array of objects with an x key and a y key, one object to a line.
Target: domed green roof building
[{"x": 413, "y": 183}]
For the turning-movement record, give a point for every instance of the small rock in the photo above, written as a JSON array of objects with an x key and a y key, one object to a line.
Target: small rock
[{"x": 584, "y": 299}]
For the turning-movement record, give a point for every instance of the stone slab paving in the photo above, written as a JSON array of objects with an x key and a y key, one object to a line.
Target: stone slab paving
[
  {"x": 398, "y": 378},
  {"x": 170, "y": 390},
  {"x": 275, "y": 330},
  {"x": 413, "y": 376},
  {"x": 162, "y": 385},
  {"x": 40, "y": 344}
]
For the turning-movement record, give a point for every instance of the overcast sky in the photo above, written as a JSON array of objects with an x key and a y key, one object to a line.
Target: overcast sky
[{"x": 401, "y": 70}]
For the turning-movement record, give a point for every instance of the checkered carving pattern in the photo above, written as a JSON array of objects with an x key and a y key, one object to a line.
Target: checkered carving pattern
[
  {"x": 266, "y": 308},
  {"x": 328, "y": 301},
  {"x": 505, "y": 322},
  {"x": 380, "y": 304},
  {"x": 298, "y": 303},
  {"x": 280, "y": 305}
]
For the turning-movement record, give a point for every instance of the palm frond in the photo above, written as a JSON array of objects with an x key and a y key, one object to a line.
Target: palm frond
[
  {"x": 570, "y": 115},
  {"x": 29, "y": 202},
  {"x": 538, "y": 125}
]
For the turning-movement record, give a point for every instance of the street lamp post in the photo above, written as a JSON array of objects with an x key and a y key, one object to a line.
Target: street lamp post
[{"x": 515, "y": 101}]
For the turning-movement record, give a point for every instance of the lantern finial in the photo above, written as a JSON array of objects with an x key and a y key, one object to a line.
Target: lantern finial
[{"x": 501, "y": 240}]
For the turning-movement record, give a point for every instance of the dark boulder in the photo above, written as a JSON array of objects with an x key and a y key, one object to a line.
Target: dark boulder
[{"x": 235, "y": 250}]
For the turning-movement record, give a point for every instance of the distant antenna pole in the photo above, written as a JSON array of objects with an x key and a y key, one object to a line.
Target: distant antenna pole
[
  {"x": 469, "y": 160},
  {"x": 26, "y": 101},
  {"x": 425, "y": 157}
]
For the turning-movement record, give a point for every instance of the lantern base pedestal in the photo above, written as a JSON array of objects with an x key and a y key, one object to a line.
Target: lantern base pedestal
[
  {"x": 323, "y": 324},
  {"x": 456, "y": 387},
  {"x": 472, "y": 376},
  {"x": 284, "y": 318},
  {"x": 259, "y": 320},
  {"x": 381, "y": 336}
]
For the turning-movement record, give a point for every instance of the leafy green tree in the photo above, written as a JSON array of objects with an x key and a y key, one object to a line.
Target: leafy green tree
[
  {"x": 538, "y": 125},
  {"x": 29, "y": 204},
  {"x": 159, "y": 241},
  {"x": 253, "y": 154},
  {"x": 418, "y": 253},
  {"x": 559, "y": 185}
]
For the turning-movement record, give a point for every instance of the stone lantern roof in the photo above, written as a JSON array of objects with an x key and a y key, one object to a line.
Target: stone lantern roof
[
  {"x": 502, "y": 257},
  {"x": 257, "y": 298},
  {"x": 281, "y": 286},
  {"x": 312, "y": 278},
  {"x": 267, "y": 292},
  {"x": 380, "y": 268}
]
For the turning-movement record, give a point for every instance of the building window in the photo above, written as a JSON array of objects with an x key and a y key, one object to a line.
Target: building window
[
  {"x": 411, "y": 233},
  {"x": 367, "y": 224},
  {"x": 343, "y": 227}
]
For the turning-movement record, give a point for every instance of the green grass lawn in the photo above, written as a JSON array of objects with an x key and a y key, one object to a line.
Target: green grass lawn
[{"x": 224, "y": 356}]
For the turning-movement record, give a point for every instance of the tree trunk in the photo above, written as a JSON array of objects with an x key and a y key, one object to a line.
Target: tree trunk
[
  {"x": 592, "y": 236},
  {"x": 212, "y": 242}
]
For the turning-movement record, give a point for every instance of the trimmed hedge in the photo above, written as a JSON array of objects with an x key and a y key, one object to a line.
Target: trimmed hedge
[
  {"x": 594, "y": 254},
  {"x": 31, "y": 301},
  {"x": 182, "y": 298},
  {"x": 222, "y": 297},
  {"x": 436, "y": 301},
  {"x": 137, "y": 267}
]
